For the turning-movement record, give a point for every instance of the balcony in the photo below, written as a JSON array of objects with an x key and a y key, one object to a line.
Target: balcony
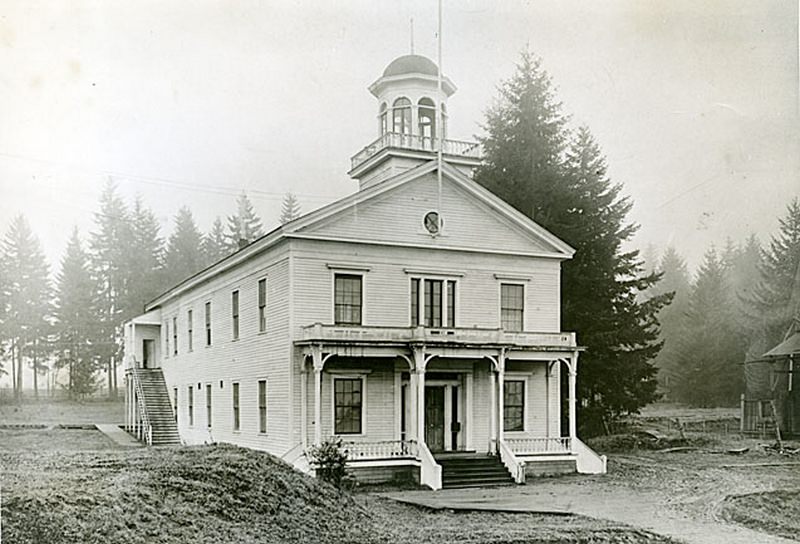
[
  {"x": 410, "y": 142},
  {"x": 356, "y": 335}
]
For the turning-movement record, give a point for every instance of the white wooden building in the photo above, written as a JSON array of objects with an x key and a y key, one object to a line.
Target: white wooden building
[{"x": 416, "y": 319}]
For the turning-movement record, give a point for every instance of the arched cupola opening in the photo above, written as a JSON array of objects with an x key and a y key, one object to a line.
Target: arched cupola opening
[
  {"x": 401, "y": 116},
  {"x": 383, "y": 117},
  {"x": 426, "y": 109},
  {"x": 444, "y": 120}
]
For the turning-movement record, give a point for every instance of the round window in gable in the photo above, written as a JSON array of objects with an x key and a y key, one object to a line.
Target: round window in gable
[{"x": 433, "y": 223}]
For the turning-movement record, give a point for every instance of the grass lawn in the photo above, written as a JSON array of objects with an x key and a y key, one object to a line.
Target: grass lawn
[
  {"x": 37, "y": 440},
  {"x": 62, "y": 411},
  {"x": 226, "y": 494},
  {"x": 775, "y": 512}
]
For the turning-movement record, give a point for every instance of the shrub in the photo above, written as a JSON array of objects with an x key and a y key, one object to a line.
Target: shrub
[{"x": 329, "y": 459}]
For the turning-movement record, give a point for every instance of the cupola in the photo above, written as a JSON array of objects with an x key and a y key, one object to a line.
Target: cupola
[{"x": 409, "y": 133}]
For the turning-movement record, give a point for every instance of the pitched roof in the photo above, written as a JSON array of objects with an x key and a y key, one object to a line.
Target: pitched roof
[{"x": 295, "y": 229}]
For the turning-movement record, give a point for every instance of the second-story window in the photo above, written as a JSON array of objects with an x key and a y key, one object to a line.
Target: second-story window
[
  {"x": 189, "y": 335},
  {"x": 208, "y": 323},
  {"x": 235, "y": 314},
  {"x": 433, "y": 302},
  {"x": 262, "y": 305},
  {"x": 347, "y": 299},
  {"x": 174, "y": 335},
  {"x": 512, "y": 306}
]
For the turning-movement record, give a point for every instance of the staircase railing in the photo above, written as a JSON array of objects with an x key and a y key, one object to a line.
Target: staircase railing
[
  {"x": 430, "y": 471},
  {"x": 145, "y": 429},
  {"x": 589, "y": 461},
  {"x": 515, "y": 466}
]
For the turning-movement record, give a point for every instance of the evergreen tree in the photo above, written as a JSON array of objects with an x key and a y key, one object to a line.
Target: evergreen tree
[
  {"x": 184, "y": 255},
  {"x": 244, "y": 226},
  {"x": 28, "y": 294},
  {"x": 532, "y": 162},
  {"x": 772, "y": 303},
  {"x": 76, "y": 317},
  {"x": 110, "y": 247},
  {"x": 711, "y": 349},
  {"x": 674, "y": 279},
  {"x": 215, "y": 247},
  {"x": 290, "y": 209},
  {"x": 145, "y": 258}
]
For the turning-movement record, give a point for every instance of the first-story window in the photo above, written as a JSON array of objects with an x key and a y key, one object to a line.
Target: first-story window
[
  {"x": 175, "y": 402},
  {"x": 514, "y": 405},
  {"x": 190, "y": 402},
  {"x": 512, "y": 306},
  {"x": 347, "y": 299},
  {"x": 235, "y": 406},
  {"x": 208, "y": 405},
  {"x": 262, "y": 406},
  {"x": 166, "y": 338},
  {"x": 347, "y": 405}
]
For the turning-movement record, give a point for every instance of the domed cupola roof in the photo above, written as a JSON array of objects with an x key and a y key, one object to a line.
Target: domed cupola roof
[{"x": 411, "y": 64}]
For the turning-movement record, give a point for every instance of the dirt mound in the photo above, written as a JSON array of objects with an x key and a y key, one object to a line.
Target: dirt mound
[
  {"x": 219, "y": 494},
  {"x": 775, "y": 512}
]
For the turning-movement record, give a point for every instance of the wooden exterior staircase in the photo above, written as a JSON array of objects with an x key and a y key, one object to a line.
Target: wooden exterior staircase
[
  {"x": 156, "y": 424},
  {"x": 472, "y": 470}
]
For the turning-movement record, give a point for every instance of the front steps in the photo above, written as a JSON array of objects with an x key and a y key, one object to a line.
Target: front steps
[
  {"x": 159, "y": 407},
  {"x": 472, "y": 470}
]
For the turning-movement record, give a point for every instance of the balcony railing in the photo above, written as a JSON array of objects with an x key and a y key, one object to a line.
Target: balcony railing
[
  {"x": 387, "y": 449},
  {"x": 433, "y": 336},
  {"x": 533, "y": 446},
  {"x": 414, "y": 142}
]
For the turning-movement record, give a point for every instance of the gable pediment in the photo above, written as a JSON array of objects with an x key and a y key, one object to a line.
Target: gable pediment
[{"x": 393, "y": 212}]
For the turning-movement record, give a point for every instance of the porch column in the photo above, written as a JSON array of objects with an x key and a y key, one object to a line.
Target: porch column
[
  {"x": 419, "y": 371},
  {"x": 492, "y": 409},
  {"x": 573, "y": 420},
  {"x": 316, "y": 354},
  {"x": 412, "y": 405},
  {"x": 304, "y": 402},
  {"x": 501, "y": 373}
]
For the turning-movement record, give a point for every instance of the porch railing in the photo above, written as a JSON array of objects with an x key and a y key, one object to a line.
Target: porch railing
[
  {"x": 386, "y": 449},
  {"x": 539, "y": 445}
]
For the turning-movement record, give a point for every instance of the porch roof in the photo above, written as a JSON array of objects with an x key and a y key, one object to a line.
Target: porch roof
[{"x": 442, "y": 338}]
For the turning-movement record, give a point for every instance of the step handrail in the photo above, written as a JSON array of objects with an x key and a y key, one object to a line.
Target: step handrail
[
  {"x": 515, "y": 466},
  {"x": 147, "y": 435},
  {"x": 430, "y": 472}
]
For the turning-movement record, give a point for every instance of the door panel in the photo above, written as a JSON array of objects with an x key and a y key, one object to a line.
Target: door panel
[{"x": 434, "y": 417}]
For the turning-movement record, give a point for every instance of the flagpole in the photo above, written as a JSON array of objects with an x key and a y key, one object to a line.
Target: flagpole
[{"x": 441, "y": 119}]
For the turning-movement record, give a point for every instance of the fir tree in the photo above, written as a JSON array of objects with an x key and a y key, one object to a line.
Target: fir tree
[
  {"x": 215, "y": 247},
  {"x": 711, "y": 348},
  {"x": 244, "y": 226},
  {"x": 145, "y": 258},
  {"x": 674, "y": 279},
  {"x": 76, "y": 316},
  {"x": 184, "y": 255},
  {"x": 28, "y": 294},
  {"x": 772, "y": 303},
  {"x": 110, "y": 246},
  {"x": 290, "y": 209},
  {"x": 560, "y": 181}
]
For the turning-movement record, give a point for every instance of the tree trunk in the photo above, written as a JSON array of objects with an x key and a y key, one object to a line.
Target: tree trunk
[
  {"x": 114, "y": 370},
  {"x": 35, "y": 372},
  {"x": 109, "y": 369},
  {"x": 14, "y": 368},
  {"x": 19, "y": 369}
]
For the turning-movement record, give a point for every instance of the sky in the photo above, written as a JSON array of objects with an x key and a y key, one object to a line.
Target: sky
[{"x": 695, "y": 104}]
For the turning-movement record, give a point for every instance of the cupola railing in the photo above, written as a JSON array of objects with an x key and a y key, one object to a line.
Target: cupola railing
[{"x": 413, "y": 142}]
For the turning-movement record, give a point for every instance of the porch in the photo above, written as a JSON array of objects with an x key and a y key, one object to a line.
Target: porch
[{"x": 423, "y": 392}]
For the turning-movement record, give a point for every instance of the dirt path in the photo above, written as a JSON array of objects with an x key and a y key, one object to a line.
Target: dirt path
[{"x": 633, "y": 507}]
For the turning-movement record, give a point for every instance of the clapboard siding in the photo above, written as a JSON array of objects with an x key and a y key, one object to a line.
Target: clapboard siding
[
  {"x": 254, "y": 356},
  {"x": 397, "y": 216},
  {"x": 387, "y": 286}
]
